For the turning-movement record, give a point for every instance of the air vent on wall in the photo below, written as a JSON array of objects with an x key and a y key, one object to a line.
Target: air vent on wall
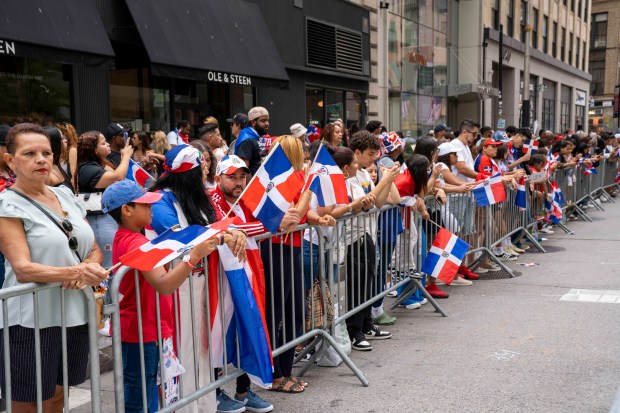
[{"x": 333, "y": 47}]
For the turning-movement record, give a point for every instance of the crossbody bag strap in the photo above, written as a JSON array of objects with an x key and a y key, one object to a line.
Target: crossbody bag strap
[{"x": 47, "y": 214}]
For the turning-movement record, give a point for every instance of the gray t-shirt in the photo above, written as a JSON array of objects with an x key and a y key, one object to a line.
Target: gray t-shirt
[{"x": 48, "y": 245}]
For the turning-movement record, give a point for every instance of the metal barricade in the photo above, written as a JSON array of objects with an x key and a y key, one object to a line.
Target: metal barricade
[{"x": 35, "y": 290}]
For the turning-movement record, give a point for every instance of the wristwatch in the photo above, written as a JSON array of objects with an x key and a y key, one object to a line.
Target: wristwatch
[{"x": 186, "y": 260}]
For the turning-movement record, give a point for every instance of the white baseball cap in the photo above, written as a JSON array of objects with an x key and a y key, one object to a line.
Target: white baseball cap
[{"x": 447, "y": 148}]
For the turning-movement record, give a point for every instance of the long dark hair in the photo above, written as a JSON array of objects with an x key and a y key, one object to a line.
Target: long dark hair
[
  {"x": 418, "y": 169},
  {"x": 189, "y": 190},
  {"x": 426, "y": 147},
  {"x": 202, "y": 147},
  {"x": 56, "y": 144}
]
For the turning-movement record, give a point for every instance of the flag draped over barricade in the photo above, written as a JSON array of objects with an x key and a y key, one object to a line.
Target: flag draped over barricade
[
  {"x": 240, "y": 318},
  {"x": 171, "y": 244},
  {"x": 490, "y": 191},
  {"x": 137, "y": 174},
  {"x": 272, "y": 189},
  {"x": 326, "y": 180},
  {"x": 553, "y": 203},
  {"x": 521, "y": 197},
  {"x": 445, "y": 256}
]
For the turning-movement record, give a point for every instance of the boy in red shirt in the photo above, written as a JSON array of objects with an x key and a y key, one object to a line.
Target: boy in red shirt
[{"x": 130, "y": 207}]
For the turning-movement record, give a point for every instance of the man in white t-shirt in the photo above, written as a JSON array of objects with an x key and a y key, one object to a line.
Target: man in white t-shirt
[
  {"x": 180, "y": 134},
  {"x": 464, "y": 167}
]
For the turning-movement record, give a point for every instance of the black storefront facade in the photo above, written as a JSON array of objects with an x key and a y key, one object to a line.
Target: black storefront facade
[{"x": 96, "y": 61}]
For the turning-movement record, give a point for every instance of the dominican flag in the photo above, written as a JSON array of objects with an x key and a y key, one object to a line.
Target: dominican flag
[
  {"x": 239, "y": 321},
  {"x": 617, "y": 179},
  {"x": 272, "y": 189},
  {"x": 138, "y": 175},
  {"x": 313, "y": 133},
  {"x": 445, "y": 256},
  {"x": 520, "y": 198},
  {"x": 490, "y": 191},
  {"x": 554, "y": 202},
  {"x": 326, "y": 180},
  {"x": 171, "y": 244},
  {"x": 530, "y": 145},
  {"x": 556, "y": 192},
  {"x": 589, "y": 171}
]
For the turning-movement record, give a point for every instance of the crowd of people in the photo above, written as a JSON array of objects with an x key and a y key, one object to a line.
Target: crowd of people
[{"x": 68, "y": 213}]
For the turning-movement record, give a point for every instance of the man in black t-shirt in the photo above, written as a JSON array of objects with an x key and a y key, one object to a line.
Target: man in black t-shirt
[
  {"x": 115, "y": 135},
  {"x": 247, "y": 147}
]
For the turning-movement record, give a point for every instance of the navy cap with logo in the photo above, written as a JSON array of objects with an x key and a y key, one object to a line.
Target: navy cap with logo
[
  {"x": 442, "y": 127},
  {"x": 115, "y": 129}
]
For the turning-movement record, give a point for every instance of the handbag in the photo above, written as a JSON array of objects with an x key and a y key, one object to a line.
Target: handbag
[
  {"x": 315, "y": 312},
  {"x": 91, "y": 202}
]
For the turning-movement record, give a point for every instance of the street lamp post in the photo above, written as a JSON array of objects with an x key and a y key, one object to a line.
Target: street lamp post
[{"x": 525, "y": 111}]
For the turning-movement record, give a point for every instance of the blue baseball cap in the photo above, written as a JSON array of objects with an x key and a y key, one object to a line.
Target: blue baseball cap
[{"x": 124, "y": 192}]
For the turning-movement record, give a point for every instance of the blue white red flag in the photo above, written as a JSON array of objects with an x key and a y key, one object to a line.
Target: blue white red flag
[
  {"x": 490, "y": 191},
  {"x": 590, "y": 170},
  {"x": 170, "y": 244},
  {"x": 617, "y": 178},
  {"x": 313, "y": 133},
  {"x": 138, "y": 175},
  {"x": 272, "y": 189},
  {"x": 239, "y": 321},
  {"x": 326, "y": 180},
  {"x": 445, "y": 256},
  {"x": 556, "y": 192},
  {"x": 530, "y": 145},
  {"x": 553, "y": 203},
  {"x": 520, "y": 197}
]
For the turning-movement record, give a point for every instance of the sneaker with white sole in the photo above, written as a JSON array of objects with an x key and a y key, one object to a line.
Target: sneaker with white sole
[
  {"x": 253, "y": 403},
  {"x": 460, "y": 281},
  {"x": 517, "y": 249},
  {"x": 375, "y": 333},
  {"x": 227, "y": 405},
  {"x": 506, "y": 256},
  {"x": 410, "y": 304},
  {"x": 424, "y": 301},
  {"x": 546, "y": 230},
  {"x": 359, "y": 343},
  {"x": 510, "y": 250}
]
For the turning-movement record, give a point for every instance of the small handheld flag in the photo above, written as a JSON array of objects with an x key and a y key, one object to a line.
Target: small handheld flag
[
  {"x": 530, "y": 145},
  {"x": 327, "y": 180},
  {"x": 138, "y": 175},
  {"x": 490, "y": 191},
  {"x": 171, "y": 244},
  {"x": 445, "y": 256},
  {"x": 272, "y": 189}
]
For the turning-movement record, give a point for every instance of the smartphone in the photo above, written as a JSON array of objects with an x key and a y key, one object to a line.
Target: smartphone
[{"x": 126, "y": 136}]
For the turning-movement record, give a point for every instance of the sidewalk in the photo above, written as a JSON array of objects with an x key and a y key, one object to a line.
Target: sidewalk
[{"x": 532, "y": 343}]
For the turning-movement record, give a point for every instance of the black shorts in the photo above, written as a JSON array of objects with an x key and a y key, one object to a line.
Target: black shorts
[{"x": 23, "y": 365}]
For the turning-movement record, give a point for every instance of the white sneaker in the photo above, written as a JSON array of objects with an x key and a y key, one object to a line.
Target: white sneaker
[
  {"x": 545, "y": 230},
  {"x": 105, "y": 330},
  {"x": 424, "y": 301},
  {"x": 461, "y": 281},
  {"x": 509, "y": 249}
]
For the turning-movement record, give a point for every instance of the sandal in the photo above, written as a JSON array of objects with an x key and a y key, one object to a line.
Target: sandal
[
  {"x": 295, "y": 387},
  {"x": 298, "y": 381}
]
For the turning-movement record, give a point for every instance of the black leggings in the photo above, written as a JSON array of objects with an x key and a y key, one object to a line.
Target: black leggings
[{"x": 361, "y": 273}]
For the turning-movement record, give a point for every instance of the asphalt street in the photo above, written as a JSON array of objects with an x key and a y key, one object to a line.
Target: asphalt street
[{"x": 527, "y": 344}]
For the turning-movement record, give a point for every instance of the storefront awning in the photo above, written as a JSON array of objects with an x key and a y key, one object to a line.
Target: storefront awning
[
  {"x": 211, "y": 40},
  {"x": 63, "y": 31}
]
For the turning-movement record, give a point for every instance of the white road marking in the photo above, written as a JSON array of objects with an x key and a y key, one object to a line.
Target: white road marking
[{"x": 592, "y": 296}]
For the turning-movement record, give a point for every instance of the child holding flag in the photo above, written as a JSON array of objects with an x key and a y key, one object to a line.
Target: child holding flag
[{"x": 130, "y": 207}]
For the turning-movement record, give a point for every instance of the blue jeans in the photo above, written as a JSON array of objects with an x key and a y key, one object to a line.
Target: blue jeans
[
  {"x": 132, "y": 376},
  {"x": 104, "y": 228},
  {"x": 312, "y": 264}
]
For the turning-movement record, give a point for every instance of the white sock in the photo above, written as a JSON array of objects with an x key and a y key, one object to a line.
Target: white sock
[{"x": 376, "y": 311}]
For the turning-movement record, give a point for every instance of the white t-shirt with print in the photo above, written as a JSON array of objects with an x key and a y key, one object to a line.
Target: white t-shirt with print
[{"x": 463, "y": 154}]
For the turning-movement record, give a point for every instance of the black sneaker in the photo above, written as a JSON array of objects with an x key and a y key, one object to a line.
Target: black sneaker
[
  {"x": 376, "y": 334},
  {"x": 359, "y": 343}
]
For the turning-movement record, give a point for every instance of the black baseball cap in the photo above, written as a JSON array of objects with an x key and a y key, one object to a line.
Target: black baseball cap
[
  {"x": 115, "y": 129},
  {"x": 239, "y": 119}
]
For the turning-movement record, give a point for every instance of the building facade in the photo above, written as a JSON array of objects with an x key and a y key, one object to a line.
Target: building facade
[
  {"x": 605, "y": 63},
  {"x": 148, "y": 65},
  {"x": 559, "y": 82}
]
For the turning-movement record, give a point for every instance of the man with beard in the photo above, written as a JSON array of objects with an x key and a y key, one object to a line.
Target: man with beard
[{"x": 247, "y": 146}]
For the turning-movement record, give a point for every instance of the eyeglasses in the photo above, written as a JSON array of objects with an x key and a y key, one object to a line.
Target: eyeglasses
[{"x": 68, "y": 227}]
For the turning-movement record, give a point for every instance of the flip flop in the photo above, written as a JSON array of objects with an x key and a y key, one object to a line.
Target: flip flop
[
  {"x": 294, "y": 388},
  {"x": 298, "y": 381}
]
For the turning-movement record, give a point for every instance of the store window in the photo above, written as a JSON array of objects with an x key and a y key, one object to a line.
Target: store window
[
  {"x": 580, "y": 112},
  {"x": 34, "y": 91},
  {"x": 548, "y": 114},
  {"x": 327, "y": 105}
]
